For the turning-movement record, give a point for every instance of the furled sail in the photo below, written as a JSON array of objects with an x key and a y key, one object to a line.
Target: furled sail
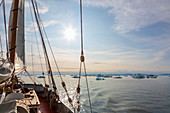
[
  {"x": 16, "y": 35},
  {"x": 5, "y": 69}
]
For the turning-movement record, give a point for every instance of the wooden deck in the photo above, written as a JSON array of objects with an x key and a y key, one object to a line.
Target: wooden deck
[
  {"x": 45, "y": 107},
  {"x": 31, "y": 99}
]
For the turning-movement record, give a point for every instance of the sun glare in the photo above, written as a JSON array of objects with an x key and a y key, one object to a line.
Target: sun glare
[{"x": 70, "y": 33}]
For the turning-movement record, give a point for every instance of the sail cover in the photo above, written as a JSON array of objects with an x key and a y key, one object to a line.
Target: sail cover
[
  {"x": 20, "y": 41},
  {"x": 5, "y": 69}
]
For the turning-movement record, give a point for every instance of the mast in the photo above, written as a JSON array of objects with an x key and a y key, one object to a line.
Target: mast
[
  {"x": 16, "y": 37},
  {"x": 14, "y": 30}
]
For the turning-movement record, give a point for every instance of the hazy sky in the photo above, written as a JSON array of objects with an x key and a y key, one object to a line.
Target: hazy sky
[{"x": 120, "y": 36}]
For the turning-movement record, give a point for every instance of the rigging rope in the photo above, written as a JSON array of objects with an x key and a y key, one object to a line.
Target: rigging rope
[
  {"x": 32, "y": 60},
  {"x": 32, "y": 77},
  {"x": 5, "y": 27},
  {"x": 37, "y": 43},
  {"x": 62, "y": 81},
  {"x": 45, "y": 51},
  {"x": 1, "y": 47},
  {"x": 82, "y": 59},
  {"x": 1, "y": 2}
]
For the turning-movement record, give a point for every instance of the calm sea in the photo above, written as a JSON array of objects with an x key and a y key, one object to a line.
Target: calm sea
[{"x": 126, "y": 95}]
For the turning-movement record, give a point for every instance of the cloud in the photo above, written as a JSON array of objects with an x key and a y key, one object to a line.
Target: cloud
[
  {"x": 157, "y": 46},
  {"x": 130, "y": 56},
  {"x": 43, "y": 7},
  {"x": 30, "y": 27},
  {"x": 121, "y": 53},
  {"x": 133, "y": 15},
  {"x": 158, "y": 56},
  {"x": 49, "y": 23},
  {"x": 132, "y": 60}
]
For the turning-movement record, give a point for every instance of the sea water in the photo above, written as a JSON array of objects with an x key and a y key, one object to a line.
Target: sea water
[{"x": 126, "y": 95}]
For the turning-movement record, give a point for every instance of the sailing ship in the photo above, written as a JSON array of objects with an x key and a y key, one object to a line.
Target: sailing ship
[{"x": 21, "y": 97}]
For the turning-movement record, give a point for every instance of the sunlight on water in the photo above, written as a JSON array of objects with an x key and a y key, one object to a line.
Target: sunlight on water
[{"x": 126, "y": 95}]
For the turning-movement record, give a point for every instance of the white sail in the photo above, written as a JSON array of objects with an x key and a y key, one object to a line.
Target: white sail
[
  {"x": 5, "y": 69},
  {"x": 20, "y": 40}
]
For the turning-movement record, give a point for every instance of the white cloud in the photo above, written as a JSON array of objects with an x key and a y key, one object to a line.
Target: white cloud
[
  {"x": 43, "y": 7},
  {"x": 158, "y": 56},
  {"x": 49, "y": 23},
  {"x": 30, "y": 27},
  {"x": 131, "y": 56},
  {"x": 134, "y": 14}
]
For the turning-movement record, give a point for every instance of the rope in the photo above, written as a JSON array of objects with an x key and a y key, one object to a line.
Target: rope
[
  {"x": 82, "y": 59},
  {"x": 32, "y": 60},
  {"x": 50, "y": 84},
  {"x": 1, "y": 47},
  {"x": 78, "y": 89},
  {"x": 87, "y": 88},
  {"x": 49, "y": 43},
  {"x": 37, "y": 43},
  {"x": 32, "y": 77},
  {"x": 2, "y": 2},
  {"x": 36, "y": 8},
  {"x": 62, "y": 81},
  {"x": 5, "y": 27},
  {"x": 81, "y": 28},
  {"x": 44, "y": 48},
  {"x": 45, "y": 51}
]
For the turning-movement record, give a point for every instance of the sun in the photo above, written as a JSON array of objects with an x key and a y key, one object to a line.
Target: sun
[{"x": 69, "y": 33}]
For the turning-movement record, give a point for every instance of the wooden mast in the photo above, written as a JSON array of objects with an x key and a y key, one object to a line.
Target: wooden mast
[{"x": 14, "y": 30}]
